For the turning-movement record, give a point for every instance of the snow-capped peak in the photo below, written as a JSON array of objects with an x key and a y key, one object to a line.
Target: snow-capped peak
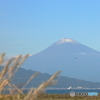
[{"x": 66, "y": 40}]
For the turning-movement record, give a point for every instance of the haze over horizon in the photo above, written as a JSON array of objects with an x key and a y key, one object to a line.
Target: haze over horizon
[{"x": 31, "y": 26}]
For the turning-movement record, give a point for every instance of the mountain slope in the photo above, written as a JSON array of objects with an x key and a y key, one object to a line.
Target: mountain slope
[{"x": 74, "y": 59}]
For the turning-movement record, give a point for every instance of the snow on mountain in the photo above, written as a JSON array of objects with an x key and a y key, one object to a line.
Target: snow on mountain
[{"x": 66, "y": 40}]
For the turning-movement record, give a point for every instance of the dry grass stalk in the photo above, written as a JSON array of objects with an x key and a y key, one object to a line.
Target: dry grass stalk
[
  {"x": 23, "y": 59},
  {"x": 19, "y": 90},
  {"x": 4, "y": 83},
  {"x": 11, "y": 68},
  {"x": 33, "y": 95},
  {"x": 11, "y": 93},
  {"x": 33, "y": 76},
  {"x": 2, "y": 58},
  {"x": 6, "y": 68}
]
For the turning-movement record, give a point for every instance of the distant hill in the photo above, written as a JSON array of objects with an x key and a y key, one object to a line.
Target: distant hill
[
  {"x": 63, "y": 82},
  {"x": 74, "y": 59}
]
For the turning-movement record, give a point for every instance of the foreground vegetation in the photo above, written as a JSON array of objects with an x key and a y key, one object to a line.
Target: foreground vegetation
[
  {"x": 50, "y": 97},
  {"x": 15, "y": 93},
  {"x": 7, "y": 74}
]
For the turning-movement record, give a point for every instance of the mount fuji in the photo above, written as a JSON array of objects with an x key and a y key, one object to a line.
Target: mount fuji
[{"x": 74, "y": 59}]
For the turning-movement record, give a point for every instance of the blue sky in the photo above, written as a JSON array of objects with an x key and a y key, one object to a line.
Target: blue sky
[{"x": 30, "y": 26}]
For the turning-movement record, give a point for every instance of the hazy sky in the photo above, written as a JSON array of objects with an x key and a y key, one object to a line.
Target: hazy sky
[{"x": 30, "y": 26}]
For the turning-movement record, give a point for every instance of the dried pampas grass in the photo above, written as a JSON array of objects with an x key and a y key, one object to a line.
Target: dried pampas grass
[
  {"x": 8, "y": 72},
  {"x": 2, "y": 58}
]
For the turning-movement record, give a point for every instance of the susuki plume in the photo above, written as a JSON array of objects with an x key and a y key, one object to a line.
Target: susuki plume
[{"x": 7, "y": 74}]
